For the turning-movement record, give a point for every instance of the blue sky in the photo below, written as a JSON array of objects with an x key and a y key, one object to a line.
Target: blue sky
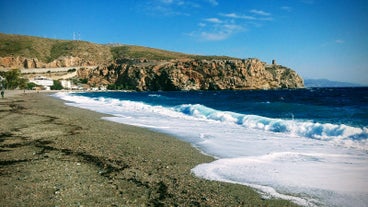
[{"x": 317, "y": 38}]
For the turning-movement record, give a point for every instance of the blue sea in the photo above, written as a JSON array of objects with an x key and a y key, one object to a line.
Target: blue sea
[{"x": 309, "y": 146}]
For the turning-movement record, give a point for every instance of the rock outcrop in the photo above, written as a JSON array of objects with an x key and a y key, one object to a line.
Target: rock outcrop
[
  {"x": 142, "y": 68},
  {"x": 191, "y": 74},
  {"x": 184, "y": 74}
]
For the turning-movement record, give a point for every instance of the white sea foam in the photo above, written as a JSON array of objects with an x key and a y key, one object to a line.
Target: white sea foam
[
  {"x": 308, "y": 163},
  {"x": 337, "y": 133}
]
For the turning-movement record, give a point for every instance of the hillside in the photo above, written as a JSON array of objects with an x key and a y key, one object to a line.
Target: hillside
[
  {"x": 17, "y": 49},
  {"x": 142, "y": 68},
  {"x": 47, "y": 50}
]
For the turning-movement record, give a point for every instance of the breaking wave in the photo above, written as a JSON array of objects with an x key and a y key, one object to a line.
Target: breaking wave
[{"x": 308, "y": 129}]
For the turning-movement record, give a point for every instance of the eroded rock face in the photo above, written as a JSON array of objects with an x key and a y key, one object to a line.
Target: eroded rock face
[
  {"x": 193, "y": 74},
  {"x": 184, "y": 74},
  {"x": 23, "y": 62},
  {"x": 11, "y": 62}
]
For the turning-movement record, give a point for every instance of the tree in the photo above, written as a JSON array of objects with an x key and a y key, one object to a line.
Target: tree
[
  {"x": 13, "y": 79},
  {"x": 22, "y": 84}
]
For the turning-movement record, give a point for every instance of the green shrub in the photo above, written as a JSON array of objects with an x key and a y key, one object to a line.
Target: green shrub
[
  {"x": 57, "y": 85},
  {"x": 31, "y": 85}
]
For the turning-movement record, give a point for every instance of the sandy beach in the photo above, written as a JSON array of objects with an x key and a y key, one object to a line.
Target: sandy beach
[{"x": 55, "y": 155}]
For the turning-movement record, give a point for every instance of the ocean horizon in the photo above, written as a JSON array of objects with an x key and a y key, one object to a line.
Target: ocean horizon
[{"x": 309, "y": 146}]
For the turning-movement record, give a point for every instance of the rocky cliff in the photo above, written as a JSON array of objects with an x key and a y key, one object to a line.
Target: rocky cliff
[
  {"x": 142, "y": 68},
  {"x": 192, "y": 74},
  {"x": 25, "y": 62}
]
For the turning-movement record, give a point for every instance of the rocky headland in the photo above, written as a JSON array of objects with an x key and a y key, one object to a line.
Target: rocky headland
[
  {"x": 193, "y": 74},
  {"x": 144, "y": 69}
]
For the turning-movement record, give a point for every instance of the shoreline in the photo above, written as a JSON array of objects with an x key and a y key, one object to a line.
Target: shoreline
[{"x": 57, "y": 155}]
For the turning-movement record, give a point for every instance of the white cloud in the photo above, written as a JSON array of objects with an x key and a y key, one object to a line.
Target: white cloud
[
  {"x": 232, "y": 27},
  {"x": 339, "y": 41},
  {"x": 214, "y": 36},
  {"x": 237, "y": 16},
  {"x": 213, "y": 2},
  {"x": 213, "y": 20},
  {"x": 170, "y": 7},
  {"x": 201, "y": 24},
  {"x": 221, "y": 32},
  {"x": 225, "y": 25},
  {"x": 216, "y": 30},
  {"x": 259, "y": 12}
]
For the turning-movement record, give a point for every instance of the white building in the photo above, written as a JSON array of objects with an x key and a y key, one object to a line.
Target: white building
[
  {"x": 67, "y": 84},
  {"x": 46, "y": 83}
]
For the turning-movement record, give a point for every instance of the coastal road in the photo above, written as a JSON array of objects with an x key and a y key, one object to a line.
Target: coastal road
[
  {"x": 52, "y": 70},
  {"x": 46, "y": 70}
]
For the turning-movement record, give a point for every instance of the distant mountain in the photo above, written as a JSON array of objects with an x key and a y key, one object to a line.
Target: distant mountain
[{"x": 309, "y": 83}]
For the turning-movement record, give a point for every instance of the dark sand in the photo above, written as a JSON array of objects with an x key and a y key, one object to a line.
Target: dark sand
[{"x": 55, "y": 155}]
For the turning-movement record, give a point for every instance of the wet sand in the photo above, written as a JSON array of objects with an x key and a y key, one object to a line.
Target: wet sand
[{"x": 55, "y": 155}]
